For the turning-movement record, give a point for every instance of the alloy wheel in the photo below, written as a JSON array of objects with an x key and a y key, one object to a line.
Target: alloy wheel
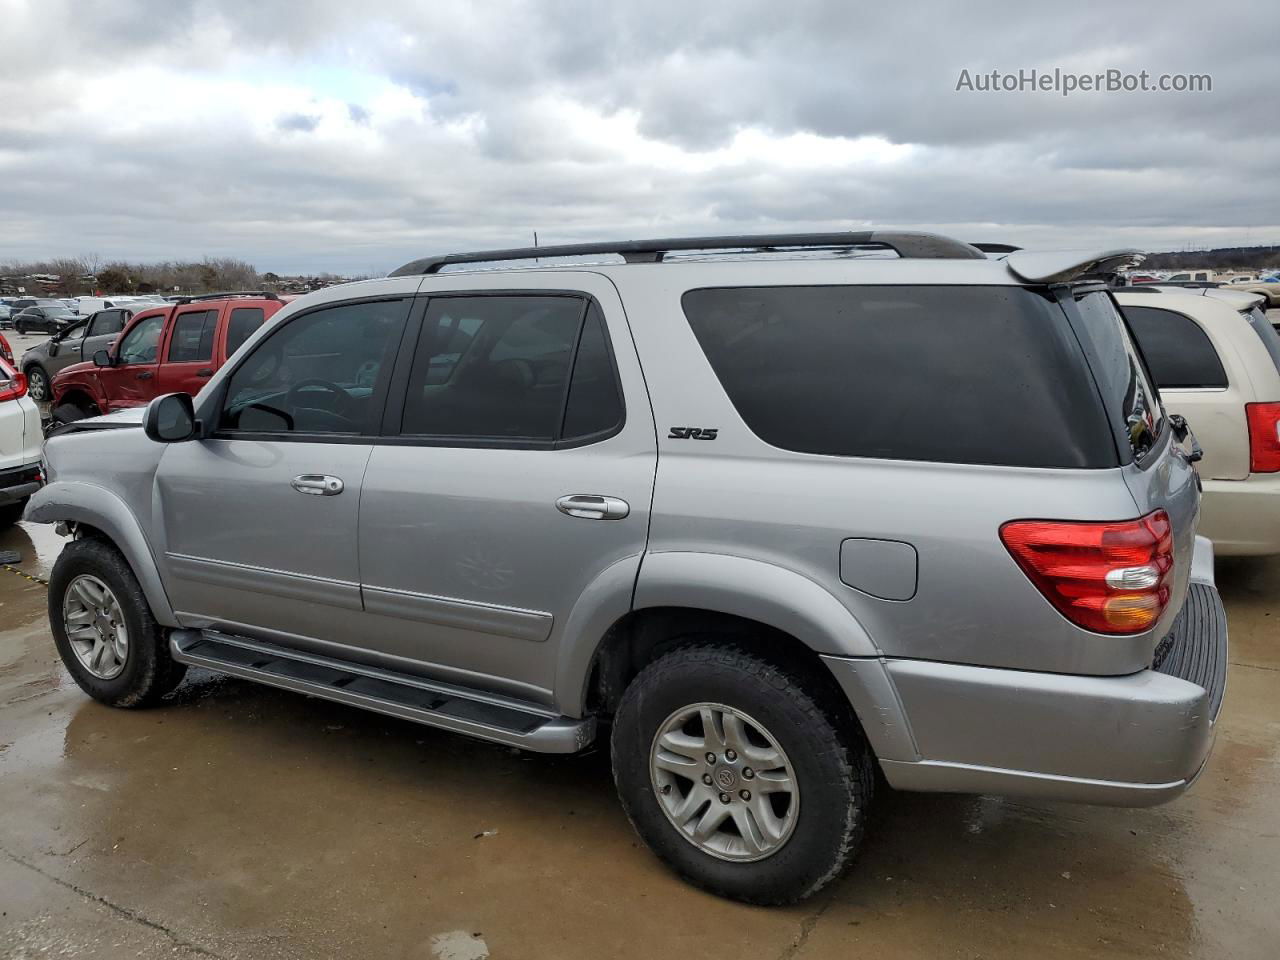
[
  {"x": 94, "y": 622},
  {"x": 724, "y": 782}
]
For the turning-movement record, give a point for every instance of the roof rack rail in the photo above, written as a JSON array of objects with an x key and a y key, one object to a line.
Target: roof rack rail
[
  {"x": 907, "y": 245},
  {"x": 264, "y": 294},
  {"x": 996, "y": 247}
]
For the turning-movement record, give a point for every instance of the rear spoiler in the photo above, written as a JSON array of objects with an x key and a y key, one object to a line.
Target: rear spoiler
[{"x": 1067, "y": 266}]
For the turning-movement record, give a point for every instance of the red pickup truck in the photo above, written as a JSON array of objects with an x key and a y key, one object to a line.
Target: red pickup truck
[{"x": 172, "y": 349}]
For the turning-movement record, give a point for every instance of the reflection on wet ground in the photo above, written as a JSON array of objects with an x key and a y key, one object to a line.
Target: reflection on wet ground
[{"x": 239, "y": 821}]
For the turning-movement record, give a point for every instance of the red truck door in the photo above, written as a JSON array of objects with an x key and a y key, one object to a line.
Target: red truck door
[
  {"x": 242, "y": 321},
  {"x": 131, "y": 381},
  {"x": 188, "y": 350}
]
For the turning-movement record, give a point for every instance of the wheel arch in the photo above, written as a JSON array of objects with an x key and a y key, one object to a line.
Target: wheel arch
[
  {"x": 100, "y": 512},
  {"x": 614, "y": 630}
]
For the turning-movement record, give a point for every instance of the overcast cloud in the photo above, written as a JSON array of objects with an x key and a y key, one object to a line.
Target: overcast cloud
[{"x": 331, "y": 135}]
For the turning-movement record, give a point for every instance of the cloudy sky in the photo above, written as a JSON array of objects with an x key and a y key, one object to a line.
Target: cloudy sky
[{"x": 308, "y": 135}]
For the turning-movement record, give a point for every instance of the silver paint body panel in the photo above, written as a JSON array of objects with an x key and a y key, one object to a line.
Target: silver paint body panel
[{"x": 455, "y": 565}]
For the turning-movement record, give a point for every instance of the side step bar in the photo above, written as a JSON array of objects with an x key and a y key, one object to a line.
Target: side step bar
[{"x": 473, "y": 712}]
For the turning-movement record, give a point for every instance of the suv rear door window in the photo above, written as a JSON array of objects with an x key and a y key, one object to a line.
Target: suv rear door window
[
  {"x": 1257, "y": 319},
  {"x": 244, "y": 320},
  {"x": 192, "y": 337},
  {"x": 498, "y": 368},
  {"x": 957, "y": 374},
  {"x": 1178, "y": 351}
]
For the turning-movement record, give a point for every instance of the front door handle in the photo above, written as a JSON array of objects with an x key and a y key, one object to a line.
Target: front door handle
[
  {"x": 145, "y": 375},
  {"x": 317, "y": 485},
  {"x": 206, "y": 372},
  {"x": 593, "y": 508}
]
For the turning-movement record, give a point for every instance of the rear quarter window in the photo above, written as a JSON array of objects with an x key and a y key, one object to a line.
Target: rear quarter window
[
  {"x": 956, "y": 374},
  {"x": 1179, "y": 353}
]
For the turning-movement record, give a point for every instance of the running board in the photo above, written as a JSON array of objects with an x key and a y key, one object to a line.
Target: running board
[{"x": 472, "y": 712}]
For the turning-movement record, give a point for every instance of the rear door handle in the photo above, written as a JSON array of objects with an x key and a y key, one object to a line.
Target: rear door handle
[
  {"x": 317, "y": 485},
  {"x": 592, "y": 507},
  {"x": 206, "y": 372}
]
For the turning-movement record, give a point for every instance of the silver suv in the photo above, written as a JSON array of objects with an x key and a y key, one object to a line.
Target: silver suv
[{"x": 787, "y": 516}]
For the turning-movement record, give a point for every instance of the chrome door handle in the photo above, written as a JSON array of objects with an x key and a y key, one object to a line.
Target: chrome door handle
[
  {"x": 593, "y": 508},
  {"x": 317, "y": 485}
]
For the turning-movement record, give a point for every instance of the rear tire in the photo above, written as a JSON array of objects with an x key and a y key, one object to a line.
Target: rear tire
[
  {"x": 830, "y": 768},
  {"x": 146, "y": 670}
]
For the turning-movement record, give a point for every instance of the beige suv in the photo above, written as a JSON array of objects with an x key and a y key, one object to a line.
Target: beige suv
[{"x": 1216, "y": 360}]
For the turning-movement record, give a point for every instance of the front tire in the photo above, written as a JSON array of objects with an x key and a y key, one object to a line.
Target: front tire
[
  {"x": 735, "y": 776},
  {"x": 103, "y": 628},
  {"x": 37, "y": 383}
]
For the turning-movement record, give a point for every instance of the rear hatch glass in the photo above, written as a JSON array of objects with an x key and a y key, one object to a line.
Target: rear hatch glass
[
  {"x": 1123, "y": 378},
  {"x": 954, "y": 374},
  {"x": 1257, "y": 319}
]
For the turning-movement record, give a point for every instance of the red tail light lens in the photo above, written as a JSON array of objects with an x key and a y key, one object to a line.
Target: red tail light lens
[
  {"x": 1105, "y": 577},
  {"x": 1264, "y": 436},
  {"x": 14, "y": 387}
]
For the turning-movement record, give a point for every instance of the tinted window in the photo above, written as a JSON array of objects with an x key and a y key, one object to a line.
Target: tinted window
[
  {"x": 244, "y": 320},
  {"x": 192, "y": 339},
  {"x": 142, "y": 341},
  {"x": 1131, "y": 401},
  {"x": 492, "y": 367},
  {"x": 953, "y": 374},
  {"x": 106, "y": 322},
  {"x": 595, "y": 402},
  {"x": 1257, "y": 319},
  {"x": 317, "y": 373},
  {"x": 1178, "y": 352}
]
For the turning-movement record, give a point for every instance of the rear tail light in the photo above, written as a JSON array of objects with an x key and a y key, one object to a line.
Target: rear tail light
[
  {"x": 1105, "y": 577},
  {"x": 14, "y": 387},
  {"x": 1264, "y": 436}
]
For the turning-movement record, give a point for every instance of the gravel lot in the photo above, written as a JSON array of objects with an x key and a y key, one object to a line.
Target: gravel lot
[{"x": 243, "y": 822}]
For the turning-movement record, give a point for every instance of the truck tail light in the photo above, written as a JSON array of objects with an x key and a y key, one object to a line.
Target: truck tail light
[
  {"x": 1264, "y": 436},
  {"x": 13, "y": 387},
  {"x": 1106, "y": 577}
]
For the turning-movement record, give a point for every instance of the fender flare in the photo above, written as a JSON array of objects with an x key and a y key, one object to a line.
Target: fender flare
[
  {"x": 100, "y": 508},
  {"x": 719, "y": 583},
  {"x": 756, "y": 590}
]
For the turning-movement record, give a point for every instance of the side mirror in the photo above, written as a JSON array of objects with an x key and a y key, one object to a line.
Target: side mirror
[
  {"x": 102, "y": 358},
  {"x": 171, "y": 419}
]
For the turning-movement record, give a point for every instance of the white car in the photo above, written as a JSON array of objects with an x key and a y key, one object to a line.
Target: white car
[
  {"x": 1216, "y": 360},
  {"x": 20, "y": 443},
  {"x": 87, "y": 305}
]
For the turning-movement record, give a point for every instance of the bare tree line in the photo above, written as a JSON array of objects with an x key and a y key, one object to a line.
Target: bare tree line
[{"x": 90, "y": 274}]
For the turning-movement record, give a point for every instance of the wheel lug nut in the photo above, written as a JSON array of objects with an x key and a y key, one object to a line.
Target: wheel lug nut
[
  {"x": 730, "y": 756},
  {"x": 724, "y": 798},
  {"x": 666, "y": 789},
  {"x": 745, "y": 794},
  {"x": 748, "y": 772},
  {"x": 706, "y": 778},
  {"x": 711, "y": 758}
]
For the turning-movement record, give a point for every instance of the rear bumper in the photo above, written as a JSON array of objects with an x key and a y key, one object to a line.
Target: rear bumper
[
  {"x": 19, "y": 483},
  {"x": 1242, "y": 517},
  {"x": 1133, "y": 740}
]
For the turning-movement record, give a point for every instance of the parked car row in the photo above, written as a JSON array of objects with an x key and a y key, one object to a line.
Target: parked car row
[
  {"x": 130, "y": 358},
  {"x": 780, "y": 527}
]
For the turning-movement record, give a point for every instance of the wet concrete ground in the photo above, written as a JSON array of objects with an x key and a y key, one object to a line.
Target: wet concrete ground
[{"x": 243, "y": 822}]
